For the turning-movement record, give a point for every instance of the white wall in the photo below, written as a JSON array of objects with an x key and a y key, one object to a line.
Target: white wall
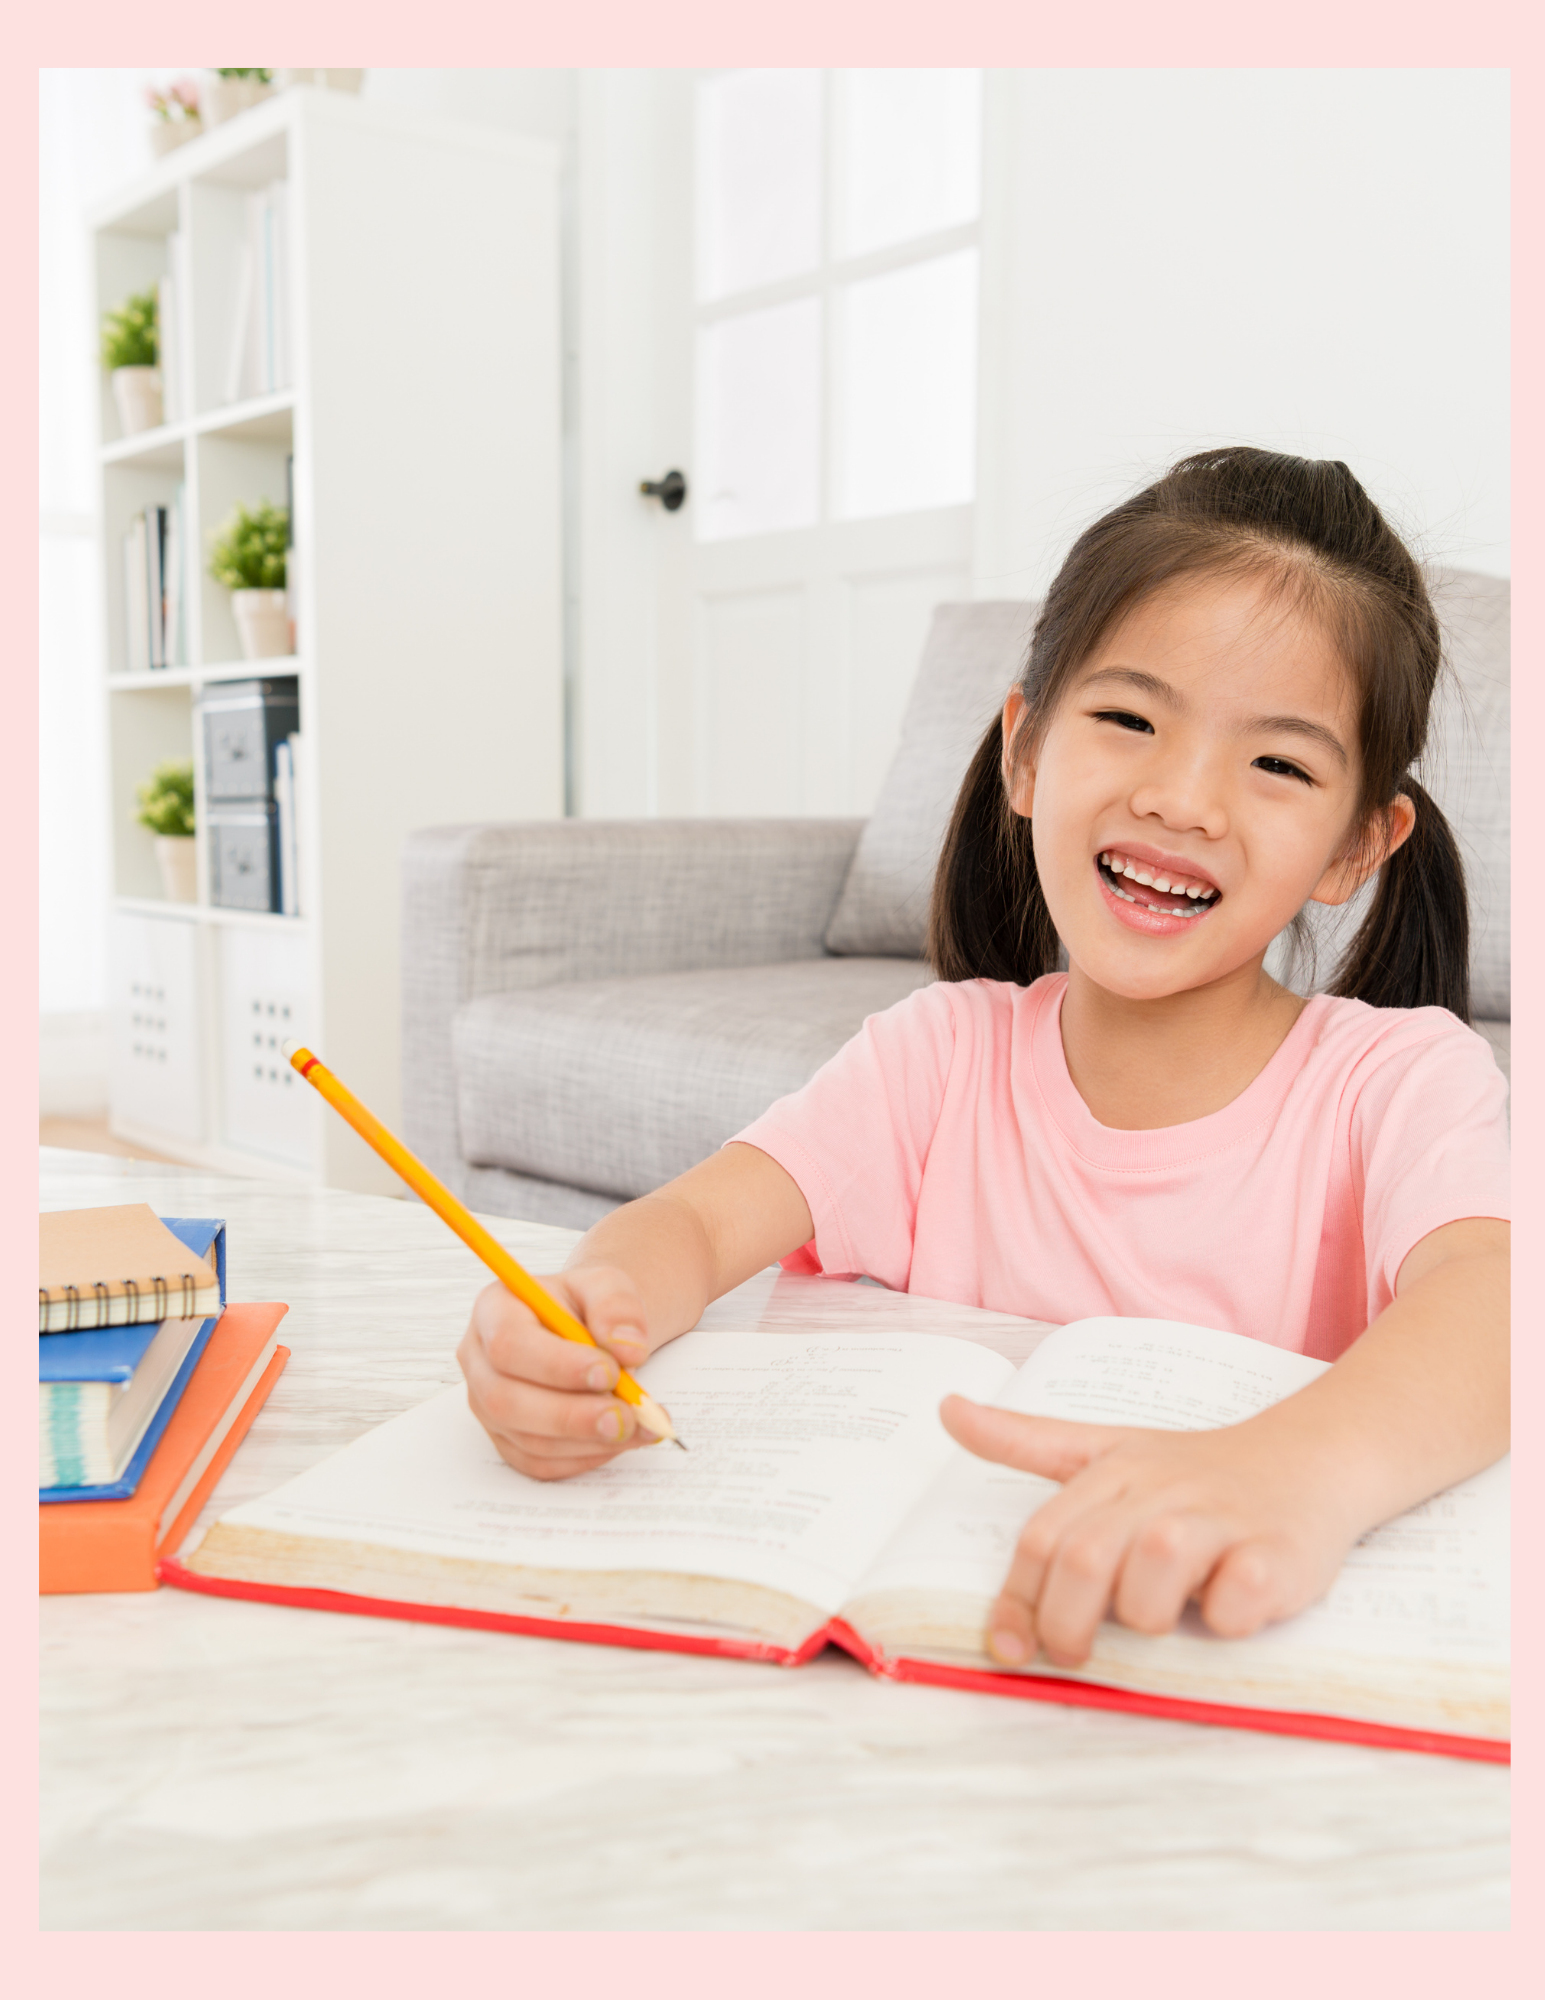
[
  {"x": 1311, "y": 260},
  {"x": 91, "y": 136}
]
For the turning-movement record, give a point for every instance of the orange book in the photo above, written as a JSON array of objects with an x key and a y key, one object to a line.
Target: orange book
[{"x": 115, "y": 1544}]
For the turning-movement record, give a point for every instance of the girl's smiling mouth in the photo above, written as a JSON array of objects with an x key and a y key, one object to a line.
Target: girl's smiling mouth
[{"x": 1148, "y": 896}]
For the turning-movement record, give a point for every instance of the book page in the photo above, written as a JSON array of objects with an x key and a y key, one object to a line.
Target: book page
[
  {"x": 802, "y": 1456},
  {"x": 1431, "y": 1584}
]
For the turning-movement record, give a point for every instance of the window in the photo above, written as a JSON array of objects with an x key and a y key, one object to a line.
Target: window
[{"x": 836, "y": 295}]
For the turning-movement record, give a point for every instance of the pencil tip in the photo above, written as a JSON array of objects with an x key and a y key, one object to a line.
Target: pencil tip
[{"x": 678, "y": 1444}]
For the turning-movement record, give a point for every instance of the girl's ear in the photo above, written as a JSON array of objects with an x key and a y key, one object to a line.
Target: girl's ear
[
  {"x": 1387, "y": 830},
  {"x": 1018, "y": 773}
]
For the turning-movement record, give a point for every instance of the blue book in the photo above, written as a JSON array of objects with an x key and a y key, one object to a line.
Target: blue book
[{"x": 82, "y": 1375}]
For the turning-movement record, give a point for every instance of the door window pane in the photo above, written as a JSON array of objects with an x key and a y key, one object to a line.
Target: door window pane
[
  {"x": 909, "y": 154},
  {"x": 759, "y": 421},
  {"x": 758, "y": 178},
  {"x": 906, "y": 400}
]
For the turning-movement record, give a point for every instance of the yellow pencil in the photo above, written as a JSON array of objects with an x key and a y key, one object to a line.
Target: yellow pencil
[{"x": 556, "y": 1318}]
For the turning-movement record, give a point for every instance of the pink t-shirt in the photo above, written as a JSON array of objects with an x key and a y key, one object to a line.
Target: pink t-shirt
[{"x": 946, "y": 1151}]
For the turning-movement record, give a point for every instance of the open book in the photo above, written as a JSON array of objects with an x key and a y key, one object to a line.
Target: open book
[{"x": 821, "y": 1500}]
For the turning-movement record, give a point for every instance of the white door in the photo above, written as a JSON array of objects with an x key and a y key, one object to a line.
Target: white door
[{"x": 777, "y": 297}]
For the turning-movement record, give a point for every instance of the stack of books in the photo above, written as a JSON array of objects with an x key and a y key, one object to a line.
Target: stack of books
[
  {"x": 153, "y": 590},
  {"x": 147, "y": 1382}
]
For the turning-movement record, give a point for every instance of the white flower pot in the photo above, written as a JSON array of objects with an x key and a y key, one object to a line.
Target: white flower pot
[
  {"x": 227, "y": 96},
  {"x": 324, "y": 79},
  {"x": 166, "y": 134},
  {"x": 177, "y": 858},
  {"x": 262, "y": 623},
  {"x": 137, "y": 392}
]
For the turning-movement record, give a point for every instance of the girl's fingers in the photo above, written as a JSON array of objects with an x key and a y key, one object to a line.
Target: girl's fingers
[
  {"x": 1169, "y": 1558},
  {"x": 514, "y": 1343},
  {"x": 1049, "y": 1446},
  {"x": 1078, "y": 1583},
  {"x": 513, "y": 1408},
  {"x": 1012, "y": 1627},
  {"x": 1249, "y": 1587},
  {"x": 608, "y": 1302}
]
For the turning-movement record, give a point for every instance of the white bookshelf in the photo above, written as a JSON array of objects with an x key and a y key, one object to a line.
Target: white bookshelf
[{"x": 423, "y": 418}]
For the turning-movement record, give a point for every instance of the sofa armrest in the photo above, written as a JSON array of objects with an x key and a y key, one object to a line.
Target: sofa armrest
[{"x": 486, "y": 909}]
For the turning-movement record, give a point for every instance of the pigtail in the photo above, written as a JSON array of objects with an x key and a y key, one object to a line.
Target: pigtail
[
  {"x": 1413, "y": 947},
  {"x": 988, "y": 917}
]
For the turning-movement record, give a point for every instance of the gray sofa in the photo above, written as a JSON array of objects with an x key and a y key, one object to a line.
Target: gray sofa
[{"x": 591, "y": 1006}]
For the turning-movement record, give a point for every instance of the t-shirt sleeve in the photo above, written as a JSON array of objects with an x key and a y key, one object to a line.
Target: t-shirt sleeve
[
  {"x": 1430, "y": 1143},
  {"x": 855, "y": 1140}
]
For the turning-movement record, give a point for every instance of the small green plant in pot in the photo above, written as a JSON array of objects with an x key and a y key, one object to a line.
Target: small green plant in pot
[
  {"x": 250, "y": 557},
  {"x": 166, "y": 810},
  {"x": 131, "y": 354}
]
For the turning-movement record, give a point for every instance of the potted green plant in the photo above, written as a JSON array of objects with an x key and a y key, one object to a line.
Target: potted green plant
[
  {"x": 234, "y": 91},
  {"x": 166, "y": 809},
  {"x": 131, "y": 353},
  {"x": 249, "y": 557},
  {"x": 174, "y": 115}
]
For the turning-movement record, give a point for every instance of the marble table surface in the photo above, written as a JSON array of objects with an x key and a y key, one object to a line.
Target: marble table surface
[{"x": 210, "y": 1764}]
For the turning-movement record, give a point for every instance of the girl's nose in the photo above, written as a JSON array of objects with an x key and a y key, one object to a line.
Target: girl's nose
[{"x": 1182, "y": 798}]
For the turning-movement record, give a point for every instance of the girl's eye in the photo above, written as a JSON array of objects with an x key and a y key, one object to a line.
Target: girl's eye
[
  {"x": 1279, "y": 767},
  {"x": 1123, "y": 718}
]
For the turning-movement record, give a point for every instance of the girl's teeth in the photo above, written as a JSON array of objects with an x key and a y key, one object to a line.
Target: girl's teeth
[{"x": 1194, "y": 892}]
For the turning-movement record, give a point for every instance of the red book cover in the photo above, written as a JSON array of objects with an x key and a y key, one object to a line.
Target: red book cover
[{"x": 1078, "y": 1694}]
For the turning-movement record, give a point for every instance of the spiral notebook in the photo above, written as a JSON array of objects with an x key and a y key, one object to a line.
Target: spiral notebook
[{"x": 118, "y": 1266}]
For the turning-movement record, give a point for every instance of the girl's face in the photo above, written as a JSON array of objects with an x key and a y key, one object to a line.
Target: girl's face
[{"x": 1194, "y": 788}]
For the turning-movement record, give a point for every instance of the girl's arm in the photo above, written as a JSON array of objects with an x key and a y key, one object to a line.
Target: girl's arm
[
  {"x": 1254, "y": 1519},
  {"x": 642, "y": 1275}
]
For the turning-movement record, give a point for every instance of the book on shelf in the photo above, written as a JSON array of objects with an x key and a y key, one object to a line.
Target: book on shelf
[
  {"x": 154, "y": 587},
  {"x": 125, "y": 1266},
  {"x": 285, "y": 755},
  {"x": 91, "y": 1544},
  {"x": 155, "y": 584},
  {"x": 259, "y": 354},
  {"x": 821, "y": 1502},
  {"x": 173, "y": 607}
]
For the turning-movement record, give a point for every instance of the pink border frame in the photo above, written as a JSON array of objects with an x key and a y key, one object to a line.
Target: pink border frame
[{"x": 1125, "y": 33}]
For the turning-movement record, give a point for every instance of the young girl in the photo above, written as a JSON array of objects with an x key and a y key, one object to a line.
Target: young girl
[{"x": 1226, "y": 693}]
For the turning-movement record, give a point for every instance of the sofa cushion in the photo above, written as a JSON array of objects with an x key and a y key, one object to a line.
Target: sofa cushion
[
  {"x": 970, "y": 659},
  {"x": 1467, "y": 768},
  {"x": 618, "y": 1085}
]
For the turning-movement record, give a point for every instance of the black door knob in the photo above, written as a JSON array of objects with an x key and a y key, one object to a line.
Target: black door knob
[{"x": 670, "y": 491}]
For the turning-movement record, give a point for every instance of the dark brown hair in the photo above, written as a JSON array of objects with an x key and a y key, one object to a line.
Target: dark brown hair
[{"x": 1309, "y": 529}]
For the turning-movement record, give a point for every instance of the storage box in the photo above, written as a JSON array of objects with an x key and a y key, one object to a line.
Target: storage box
[
  {"x": 244, "y": 723},
  {"x": 243, "y": 856}
]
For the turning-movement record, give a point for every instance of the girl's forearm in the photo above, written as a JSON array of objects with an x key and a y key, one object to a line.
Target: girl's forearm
[
  {"x": 695, "y": 1239},
  {"x": 1420, "y": 1401},
  {"x": 660, "y": 1242}
]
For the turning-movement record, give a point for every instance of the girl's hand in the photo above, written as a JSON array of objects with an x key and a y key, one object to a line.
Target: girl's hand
[
  {"x": 546, "y": 1401},
  {"x": 1148, "y": 1519}
]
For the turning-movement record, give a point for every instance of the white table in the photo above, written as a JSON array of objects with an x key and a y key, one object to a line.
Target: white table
[{"x": 209, "y": 1764}]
